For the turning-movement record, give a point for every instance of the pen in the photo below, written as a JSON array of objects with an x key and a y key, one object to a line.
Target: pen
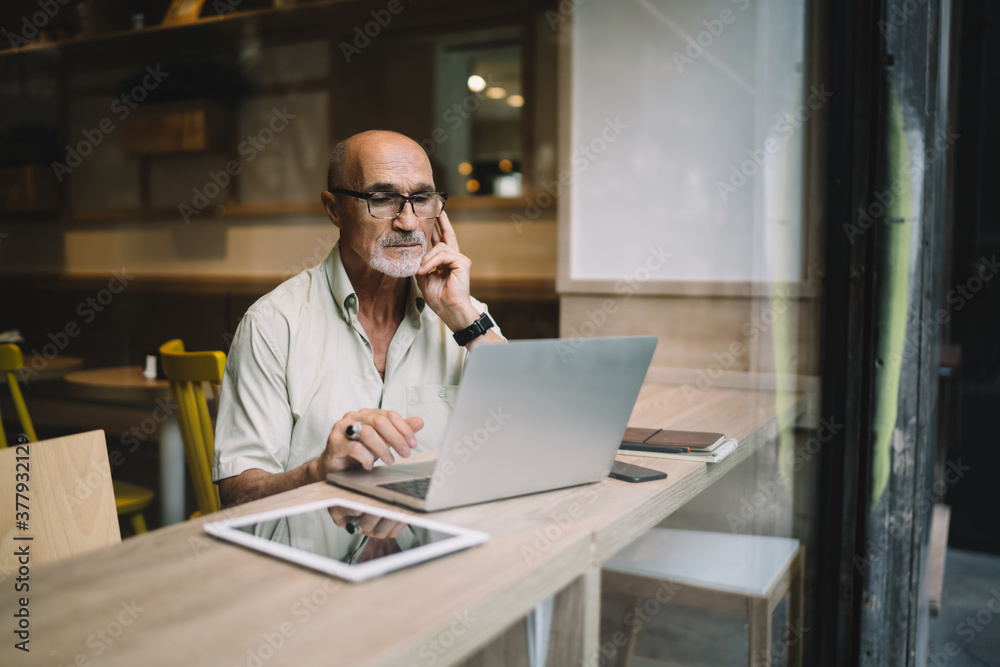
[{"x": 655, "y": 449}]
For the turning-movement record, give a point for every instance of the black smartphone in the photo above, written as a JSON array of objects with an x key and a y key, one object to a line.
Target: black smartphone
[{"x": 627, "y": 472}]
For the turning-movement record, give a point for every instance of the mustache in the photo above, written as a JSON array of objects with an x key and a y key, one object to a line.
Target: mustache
[{"x": 396, "y": 238}]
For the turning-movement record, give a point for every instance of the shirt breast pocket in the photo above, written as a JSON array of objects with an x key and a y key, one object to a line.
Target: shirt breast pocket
[{"x": 434, "y": 404}]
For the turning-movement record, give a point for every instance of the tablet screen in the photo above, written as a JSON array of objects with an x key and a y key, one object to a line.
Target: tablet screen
[
  {"x": 345, "y": 534},
  {"x": 345, "y": 538}
]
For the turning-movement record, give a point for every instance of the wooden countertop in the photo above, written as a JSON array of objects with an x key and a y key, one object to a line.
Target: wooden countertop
[{"x": 199, "y": 601}]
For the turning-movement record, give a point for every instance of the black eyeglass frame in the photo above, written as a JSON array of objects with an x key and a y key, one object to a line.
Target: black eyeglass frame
[{"x": 367, "y": 196}]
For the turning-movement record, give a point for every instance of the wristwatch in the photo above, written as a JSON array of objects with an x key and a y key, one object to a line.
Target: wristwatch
[{"x": 474, "y": 330}]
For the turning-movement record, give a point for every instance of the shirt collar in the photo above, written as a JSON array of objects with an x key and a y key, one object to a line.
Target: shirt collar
[{"x": 347, "y": 300}]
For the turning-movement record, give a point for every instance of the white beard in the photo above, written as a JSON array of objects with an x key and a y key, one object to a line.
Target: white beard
[{"x": 405, "y": 266}]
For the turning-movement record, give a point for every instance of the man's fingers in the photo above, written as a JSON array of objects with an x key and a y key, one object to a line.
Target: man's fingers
[
  {"x": 368, "y": 522},
  {"x": 446, "y": 257},
  {"x": 447, "y": 231},
  {"x": 366, "y": 450},
  {"x": 381, "y": 432},
  {"x": 359, "y": 452},
  {"x": 373, "y": 442},
  {"x": 340, "y": 514},
  {"x": 383, "y": 528},
  {"x": 389, "y": 431},
  {"x": 404, "y": 430},
  {"x": 436, "y": 250},
  {"x": 397, "y": 528},
  {"x": 377, "y": 433},
  {"x": 337, "y": 455},
  {"x": 436, "y": 234}
]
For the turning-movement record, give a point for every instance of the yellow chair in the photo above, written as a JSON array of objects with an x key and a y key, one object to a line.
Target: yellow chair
[
  {"x": 10, "y": 361},
  {"x": 187, "y": 372},
  {"x": 130, "y": 499}
]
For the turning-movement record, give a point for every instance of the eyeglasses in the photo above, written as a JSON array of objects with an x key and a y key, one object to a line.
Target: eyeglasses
[{"x": 388, "y": 205}]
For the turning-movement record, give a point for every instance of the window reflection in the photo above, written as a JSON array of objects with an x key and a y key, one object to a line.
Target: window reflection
[{"x": 480, "y": 100}]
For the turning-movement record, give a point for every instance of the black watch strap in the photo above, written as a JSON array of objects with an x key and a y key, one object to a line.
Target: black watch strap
[{"x": 474, "y": 330}]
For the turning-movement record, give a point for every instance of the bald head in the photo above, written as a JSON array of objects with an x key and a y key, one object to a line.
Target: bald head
[{"x": 350, "y": 157}]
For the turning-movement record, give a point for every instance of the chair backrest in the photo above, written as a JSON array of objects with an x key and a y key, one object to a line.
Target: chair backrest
[
  {"x": 11, "y": 360},
  {"x": 66, "y": 497},
  {"x": 187, "y": 372}
]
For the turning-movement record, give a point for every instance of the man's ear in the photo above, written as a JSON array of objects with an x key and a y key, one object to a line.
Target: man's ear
[{"x": 330, "y": 204}]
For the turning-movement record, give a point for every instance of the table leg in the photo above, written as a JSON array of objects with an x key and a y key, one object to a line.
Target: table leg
[
  {"x": 759, "y": 631},
  {"x": 573, "y": 639},
  {"x": 576, "y": 623},
  {"x": 510, "y": 649},
  {"x": 538, "y": 625},
  {"x": 171, "y": 472}
]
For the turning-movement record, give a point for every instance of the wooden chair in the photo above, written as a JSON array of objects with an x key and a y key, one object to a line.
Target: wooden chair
[
  {"x": 187, "y": 372},
  {"x": 68, "y": 491},
  {"x": 746, "y": 575},
  {"x": 130, "y": 499}
]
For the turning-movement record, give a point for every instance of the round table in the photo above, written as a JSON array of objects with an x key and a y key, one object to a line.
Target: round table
[
  {"x": 125, "y": 384},
  {"x": 38, "y": 368},
  {"x": 119, "y": 384}
]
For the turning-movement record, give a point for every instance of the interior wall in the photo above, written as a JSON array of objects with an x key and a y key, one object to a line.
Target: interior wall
[
  {"x": 266, "y": 248},
  {"x": 183, "y": 216},
  {"x": 708, "y": 333}
]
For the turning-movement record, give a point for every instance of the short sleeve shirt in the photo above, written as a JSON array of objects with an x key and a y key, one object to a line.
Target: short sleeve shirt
[{"x": 300, "y": 360}]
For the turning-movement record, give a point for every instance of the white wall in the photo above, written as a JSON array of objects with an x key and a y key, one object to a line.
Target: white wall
[{"x": 668, "y": 97}]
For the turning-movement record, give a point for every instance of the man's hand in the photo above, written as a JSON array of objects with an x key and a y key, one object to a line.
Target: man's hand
[
  {"x": 368, "y": 524},
  {"x": 382, "y": 432},
  {"x": 444, "y": 276}
]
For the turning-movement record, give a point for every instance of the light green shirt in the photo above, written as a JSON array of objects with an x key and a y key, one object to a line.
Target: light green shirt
[{"x": 300, "y": 360}]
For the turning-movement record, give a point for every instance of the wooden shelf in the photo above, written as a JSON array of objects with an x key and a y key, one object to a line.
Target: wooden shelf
[
  {"x": 119, "y": 39},
  {"x": 166, "y": 213},
  {"x": 318, "y": 19}
]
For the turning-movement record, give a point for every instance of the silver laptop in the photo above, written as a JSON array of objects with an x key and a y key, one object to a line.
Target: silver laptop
[{"x": 530, "y": 416}]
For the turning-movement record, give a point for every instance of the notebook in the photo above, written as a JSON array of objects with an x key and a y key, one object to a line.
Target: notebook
[
  {"x": 654, "y": 439},
  {"x": 679, "y": 445},
  {"x": 726, "y": 448}
]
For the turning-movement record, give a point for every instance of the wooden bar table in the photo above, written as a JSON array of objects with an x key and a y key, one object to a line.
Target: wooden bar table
[
  {"x": 126, "y": 385},
  {"x": 176, "y": 596}
]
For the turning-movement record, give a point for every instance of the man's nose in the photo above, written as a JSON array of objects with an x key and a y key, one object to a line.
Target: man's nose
[{"x": 406, "y": 219}]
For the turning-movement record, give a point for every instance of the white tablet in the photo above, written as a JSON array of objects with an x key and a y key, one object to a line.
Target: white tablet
[{"x": 349, "y": 540}]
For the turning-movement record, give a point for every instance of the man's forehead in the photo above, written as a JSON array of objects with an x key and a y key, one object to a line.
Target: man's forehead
[{"x": 393, "y": 163}]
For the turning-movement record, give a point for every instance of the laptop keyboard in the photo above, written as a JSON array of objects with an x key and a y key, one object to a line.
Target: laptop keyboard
[{"x": 416, "y": 487}]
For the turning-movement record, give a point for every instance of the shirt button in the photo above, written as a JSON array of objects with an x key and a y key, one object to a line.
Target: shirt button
[{"x": 442, "y": 393}]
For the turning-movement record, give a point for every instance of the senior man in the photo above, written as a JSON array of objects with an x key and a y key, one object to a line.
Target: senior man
[{"x": 357, "y": 359}]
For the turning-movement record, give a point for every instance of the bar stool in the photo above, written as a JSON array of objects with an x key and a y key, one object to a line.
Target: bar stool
[{"x": 746, "y": 575}]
